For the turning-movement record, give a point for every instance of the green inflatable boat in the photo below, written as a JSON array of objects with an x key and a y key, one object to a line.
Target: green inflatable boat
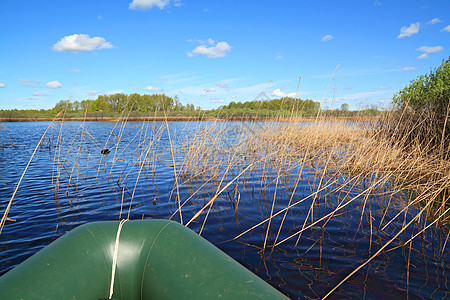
[{"x": 152, "y": 259}]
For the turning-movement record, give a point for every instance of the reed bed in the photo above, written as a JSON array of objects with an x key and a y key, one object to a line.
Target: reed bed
[
  {"x": 345, "y": 165},
  {"x": 370, "y": 157}
]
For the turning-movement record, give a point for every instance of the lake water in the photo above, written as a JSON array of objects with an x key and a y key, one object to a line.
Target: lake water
[{"x": 69, "y": 182}]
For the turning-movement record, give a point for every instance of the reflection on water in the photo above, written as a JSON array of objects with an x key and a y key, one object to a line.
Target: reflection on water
[{"x": 72, "y": 184}]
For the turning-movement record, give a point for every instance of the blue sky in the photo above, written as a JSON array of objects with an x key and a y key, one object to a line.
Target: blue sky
[{"x": 210, "y": 53}]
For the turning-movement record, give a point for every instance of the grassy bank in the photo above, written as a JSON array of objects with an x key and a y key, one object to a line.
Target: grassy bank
[{"x": 223, "y": 114}]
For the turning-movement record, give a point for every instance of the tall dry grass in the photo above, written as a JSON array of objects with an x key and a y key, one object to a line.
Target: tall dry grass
[{"x": 370, "y": 157}]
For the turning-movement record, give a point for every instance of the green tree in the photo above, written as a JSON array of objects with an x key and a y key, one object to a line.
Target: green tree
[
  {"x": 426, "y": 110},
  {"x": 63, "y": 105},
  {"x": 344, "y": 107},
  {"x": 177, "y": 104},
  {"x": 232, "y": 105},
  {"x": 429, "y": 89},
  {"x": 76, "y": 105},
  {"x": 84, "y": 104}
]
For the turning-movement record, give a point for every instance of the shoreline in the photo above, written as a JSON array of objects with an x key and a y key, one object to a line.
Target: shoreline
[
  {"x": 104, "y": 119},
  {"x": 184, "y": 119}
]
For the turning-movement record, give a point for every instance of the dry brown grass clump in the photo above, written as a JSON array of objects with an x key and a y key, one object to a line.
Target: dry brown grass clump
[
  {"x": 365, "y": 151},
  {"x": 371, "y": 159}
]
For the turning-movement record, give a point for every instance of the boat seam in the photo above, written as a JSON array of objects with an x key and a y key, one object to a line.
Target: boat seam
[{"x": 149, "y": 252}]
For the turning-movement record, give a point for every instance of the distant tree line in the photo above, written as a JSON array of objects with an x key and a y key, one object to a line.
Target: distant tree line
[
  {"x": 283, "y": 107},
  {"x": 116, "y": 103},
  {"x": 286, "y": 103},
  {"x": 141, "y": 105}
]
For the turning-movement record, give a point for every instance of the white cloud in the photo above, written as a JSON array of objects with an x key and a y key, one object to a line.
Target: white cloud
[
  {"x": 81, "y": 42},
  {"x": 447, "y": 29},
  {"x": 53, "y": 84},
  {"x": 427, "y": 49},
  {"x": 40, "y": 95},
  {"x": 148, "y": 4},
  {"x": 377, "y": 3},
  {"x": 92, "y": 93},
  {"x": 278, "y": 57},
  {"x": 219, "y": 50},
  {"x": 408, "y": 68},
  {"x": 217, "y": 101},
  {"x": 25, "y": 80},
  {"x": 209, "y": 90},
  {"x": 422, "y": 56},
  {"x": 409, "y": 31},
  {"x": 211, "y": 41},
  {"x": 2, "y": 85},
  {"x": 74, "y": 70},
  {"x": 384, "y": 88},
  {"x": 435, "y": 21},
  {"x": 279, "y": 93},
  {"x": 151, "y": 89},
  {"x": 326, "y": 38},
  {"x": 223, "y": 85}
]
